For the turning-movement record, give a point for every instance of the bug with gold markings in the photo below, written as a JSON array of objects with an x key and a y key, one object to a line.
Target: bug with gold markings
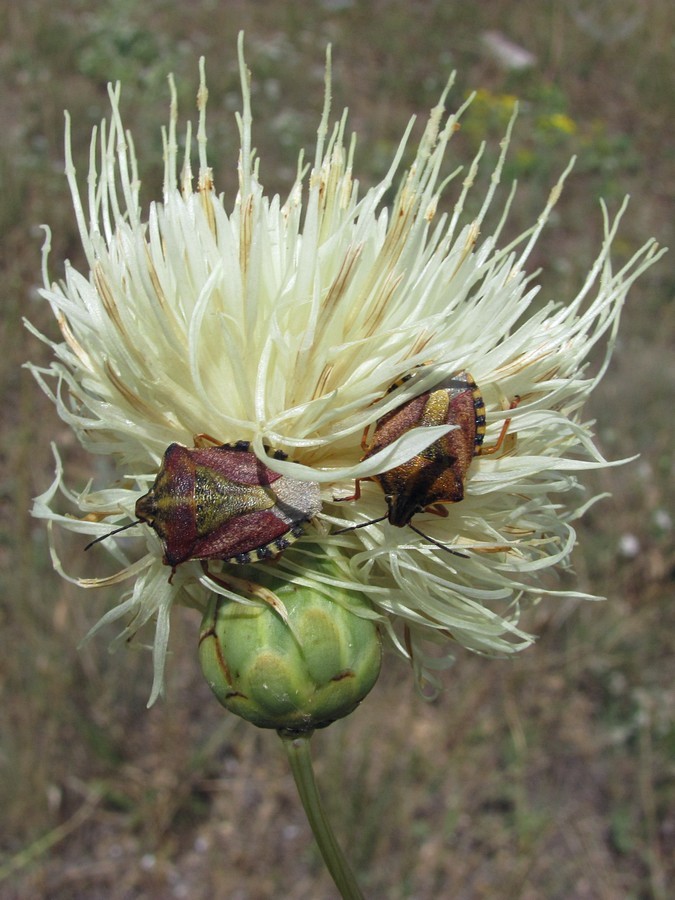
[
  {"x": 222, "y": 502},
  {"x": 436, "y": 475}
]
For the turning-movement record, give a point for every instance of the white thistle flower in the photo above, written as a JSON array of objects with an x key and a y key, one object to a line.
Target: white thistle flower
[{"x": 284, "y": 324}]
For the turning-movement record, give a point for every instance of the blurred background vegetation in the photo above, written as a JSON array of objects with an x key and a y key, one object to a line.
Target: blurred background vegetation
[{"x": 546, "y": 776}]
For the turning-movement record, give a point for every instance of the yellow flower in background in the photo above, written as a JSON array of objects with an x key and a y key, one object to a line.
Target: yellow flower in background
[
  {"x": 560, "y": 122},
  {"x": 284, "y": 323}
]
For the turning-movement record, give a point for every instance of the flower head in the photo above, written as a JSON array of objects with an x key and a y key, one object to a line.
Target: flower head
[{"x": 284, "y": 324}]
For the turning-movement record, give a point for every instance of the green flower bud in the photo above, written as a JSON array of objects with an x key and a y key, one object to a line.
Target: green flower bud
[{"x": 296, "y": 676}]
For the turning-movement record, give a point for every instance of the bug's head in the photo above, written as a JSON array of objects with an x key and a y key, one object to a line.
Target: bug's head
[
  {"x": 146, "y": 508},
  {"x": 402, "y": 507},
  {"x": 145, "y": 511},
  {"x": 160, "y": 514}
]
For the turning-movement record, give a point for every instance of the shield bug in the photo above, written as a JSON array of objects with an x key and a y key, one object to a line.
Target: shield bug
[
  {"x": 436, "y": 475},
  {"x": 222, "y": 502}
]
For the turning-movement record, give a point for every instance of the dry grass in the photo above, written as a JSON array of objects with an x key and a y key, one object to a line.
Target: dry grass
[{"x": 549, "y": 776}]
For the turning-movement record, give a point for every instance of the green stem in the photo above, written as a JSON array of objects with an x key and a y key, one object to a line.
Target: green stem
[{"x": 297, "y": 750}]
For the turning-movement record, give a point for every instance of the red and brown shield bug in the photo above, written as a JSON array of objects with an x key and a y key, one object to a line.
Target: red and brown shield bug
[
  {"x": 222, "y": 502},
  {"x": 436, "y": 475}
]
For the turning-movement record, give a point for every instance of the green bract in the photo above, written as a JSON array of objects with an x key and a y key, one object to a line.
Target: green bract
[{"x": 297, "y": 676}]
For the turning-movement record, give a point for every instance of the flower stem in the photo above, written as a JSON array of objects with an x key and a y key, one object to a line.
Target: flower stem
[{"x": 297, "y": 750}]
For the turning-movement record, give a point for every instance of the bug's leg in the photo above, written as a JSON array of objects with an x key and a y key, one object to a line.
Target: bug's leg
[
  {"x": 357, "y": 491},
  {"x": 438, "y": 509},
  {"x": 487, "y": 451},
  {"x": 357, "y": 484},
  {"x": 364, "y": 439}
]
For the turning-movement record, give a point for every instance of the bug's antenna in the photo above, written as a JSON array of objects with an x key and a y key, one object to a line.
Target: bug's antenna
[
  {"x": 412, "y": 528},
  {"x": 437, "y": 543},
  {"x": 102, "y": 537},
  {"x": 361, "y": 525}
]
